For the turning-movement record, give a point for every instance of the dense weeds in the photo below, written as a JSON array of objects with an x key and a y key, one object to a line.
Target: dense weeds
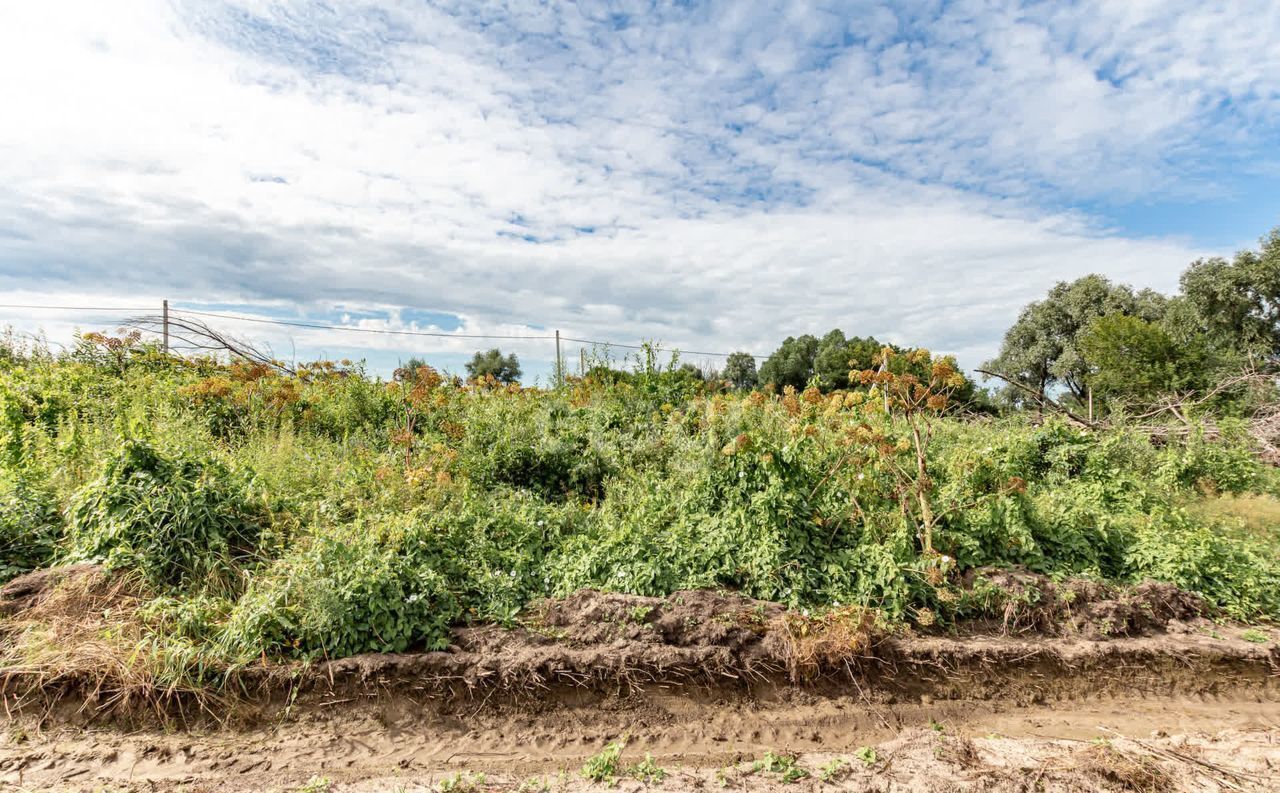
[{"x": 260, "y": 516}]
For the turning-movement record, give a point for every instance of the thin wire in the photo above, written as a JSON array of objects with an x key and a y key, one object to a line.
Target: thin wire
[
  {"x": 641, "y": 347},
  {"x": 319, "y": 326},
  {"x": 74, "y": 308}
]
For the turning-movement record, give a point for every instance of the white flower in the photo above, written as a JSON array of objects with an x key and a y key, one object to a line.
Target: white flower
[{"x": 862, "y": 476}]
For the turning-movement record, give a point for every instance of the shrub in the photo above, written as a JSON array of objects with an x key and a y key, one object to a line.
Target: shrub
[
  {"x": 182, "y": 522},
  {"x": 345, "y": 594},
  {"x": 1226, "y": 465},
  {"x": 1227, "y": 571},
  {"x": 31, "y": 526}
]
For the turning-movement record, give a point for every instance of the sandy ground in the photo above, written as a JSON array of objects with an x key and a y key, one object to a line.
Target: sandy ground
[
  {"x": 1125, "y": 691},
  {"x": 1197, "y": 743}
]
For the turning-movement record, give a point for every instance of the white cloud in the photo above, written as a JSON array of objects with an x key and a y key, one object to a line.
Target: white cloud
[{"x": 714, "y": 176}]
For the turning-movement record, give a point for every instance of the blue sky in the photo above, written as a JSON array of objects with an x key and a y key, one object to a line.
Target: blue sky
[{"x": 710, "y": 175}]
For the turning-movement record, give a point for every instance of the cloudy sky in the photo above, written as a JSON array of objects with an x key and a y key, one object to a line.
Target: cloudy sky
[{"x": 715, "y": 176}]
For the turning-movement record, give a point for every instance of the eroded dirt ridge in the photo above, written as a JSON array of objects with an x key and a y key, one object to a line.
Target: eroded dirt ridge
[{"x": 1080, "y": 687}]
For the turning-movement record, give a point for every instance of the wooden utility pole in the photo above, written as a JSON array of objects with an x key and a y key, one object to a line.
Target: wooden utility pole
[
  {"x": 166, "y": 327},
  {"x": 559, "y": 363},
  {"x": 582, "y": 361}
]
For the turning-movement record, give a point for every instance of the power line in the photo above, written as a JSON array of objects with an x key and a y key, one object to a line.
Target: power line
[
  {"x": 641, "y": 347},
  {"x": 72, "y": 308},
  {"x": 376, "y": 331},
  {"x": 318, "y": 326}
]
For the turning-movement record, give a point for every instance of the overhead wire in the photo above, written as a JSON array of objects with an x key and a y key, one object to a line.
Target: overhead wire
[{"x": 377, "y": 331}]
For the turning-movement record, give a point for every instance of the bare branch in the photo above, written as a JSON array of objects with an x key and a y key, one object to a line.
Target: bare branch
[{"x": 199, "y": 335}]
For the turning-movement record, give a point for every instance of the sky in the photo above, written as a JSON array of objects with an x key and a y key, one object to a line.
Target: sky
[{"x": 711, "y": 176}]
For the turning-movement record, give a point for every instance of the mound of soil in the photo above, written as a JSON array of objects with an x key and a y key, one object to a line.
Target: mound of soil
[
  {"x": 597, "y": 645},
  {"x": 1034, "y": 603}
]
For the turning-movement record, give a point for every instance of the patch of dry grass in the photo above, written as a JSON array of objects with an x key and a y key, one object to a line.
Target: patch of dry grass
[
  {"x": 835, "y": 639},
  {"x": 80, "y": 635},
  {"x": 1136, "y": 772}
]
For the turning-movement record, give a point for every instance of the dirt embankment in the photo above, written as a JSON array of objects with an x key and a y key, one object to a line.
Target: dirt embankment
[{"x": 720, "y": 691}]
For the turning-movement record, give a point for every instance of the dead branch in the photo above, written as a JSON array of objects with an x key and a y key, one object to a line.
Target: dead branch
[
  {"x": 1041, "y": 399},
  {"x": 198, "y": 336}
]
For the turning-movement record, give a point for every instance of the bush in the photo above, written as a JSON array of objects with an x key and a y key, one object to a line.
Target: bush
[
  {"x": 1225, "y": 465},
  {"x": 31, "y": 526},
  {"x": 182, "y": 522},
  {"x": 346, "y": 594},
  {"x": 1226, "y": 571}
]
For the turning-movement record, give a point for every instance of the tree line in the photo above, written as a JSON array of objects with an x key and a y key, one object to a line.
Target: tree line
[
  {"x": 1092, "y": 339},
  {"x": 1087, "y": 340}
]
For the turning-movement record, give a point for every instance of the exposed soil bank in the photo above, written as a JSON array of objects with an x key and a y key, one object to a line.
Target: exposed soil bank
[{"x": 708, "y": 683}]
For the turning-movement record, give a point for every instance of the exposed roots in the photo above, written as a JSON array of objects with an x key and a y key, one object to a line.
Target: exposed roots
[
  {"x": 75, "y": 633},
  {"x": 838, "y": 639}
]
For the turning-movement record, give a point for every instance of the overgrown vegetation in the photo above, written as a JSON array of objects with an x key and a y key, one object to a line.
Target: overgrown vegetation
[{"x": 262, "y": 514}]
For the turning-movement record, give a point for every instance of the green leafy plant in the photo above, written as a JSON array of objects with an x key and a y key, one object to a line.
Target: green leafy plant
[
  {"x": 461, "y": 782},
  {"x": 603, "y": 766},
  {"x": 833, "y": 770},
  {"x": 180, "y": 521},
  {"x": 646, "y": 770},
  {"x": 784, "y": 765},
  {"x": 316, "y": 784}
]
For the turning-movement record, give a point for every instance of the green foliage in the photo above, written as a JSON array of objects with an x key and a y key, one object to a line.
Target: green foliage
[
  {"x": 181, "y": 521},
  {"x": 1042, "y": 349},
  {"x": 31, "y": 527},
  {"x": 784, "y": 765},
  {"x": 1227, "y": 571},
  {"x": 1238, "y": 302},
  {"x": 604, "y": 767},
  {"x": 1134, "y": 358},
  {"x": 493, "y": 364},
  {"x": 329, "y": 513},
  {"x": 342, "y": 595},
  {"x": 833, "y": 770},
  {"x": 461, "y": 782},
  {"x": 740, "y": 370},
  {"x": 1141, "y": 346},
  {"x": 1225, "y": 464},
  {"x": 316, "y": 784},
  {"x": 791, "y": 364}
]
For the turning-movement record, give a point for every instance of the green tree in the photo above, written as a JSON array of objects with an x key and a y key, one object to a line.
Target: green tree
[
  {"x": 503, "y": 368},
  {"x": 1131, "y": 357},
  {"x": 792, "y": 363},
  {"x": 1042, "y": 349},
  {"x": 837, "y": 355},
  {"x": 740, "y": 370},
  {"x": 1238, "y": 302}
]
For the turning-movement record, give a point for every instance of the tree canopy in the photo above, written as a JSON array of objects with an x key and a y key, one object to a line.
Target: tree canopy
[
  {"x": 740, "y": 370},
  {"x": 1092, "y": 335},
  {"x": 492, "y": 363}
]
